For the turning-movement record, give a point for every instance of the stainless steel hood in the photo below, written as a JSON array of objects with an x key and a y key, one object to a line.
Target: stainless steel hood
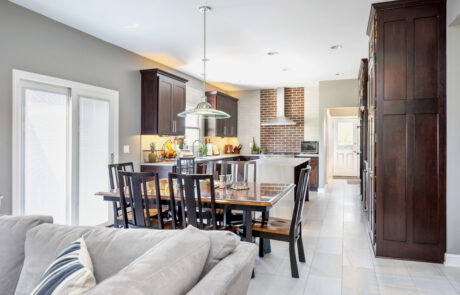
[{"x": 280, "y": 119}]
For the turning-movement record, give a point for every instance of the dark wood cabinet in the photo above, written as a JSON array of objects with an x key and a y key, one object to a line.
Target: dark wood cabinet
[
  {"x": 407, "y": 78},
  {"x": 163, "y": 98},
  {"x": 222, "y": 127},
  {"x": 314, "y": 174},
  {"x": 362, "y": 77}
]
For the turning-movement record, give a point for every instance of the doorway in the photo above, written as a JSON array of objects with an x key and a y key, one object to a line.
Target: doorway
[{"x": 343, "y": 143}]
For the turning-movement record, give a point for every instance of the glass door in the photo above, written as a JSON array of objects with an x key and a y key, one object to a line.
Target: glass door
[
  {"x": 63, "y": 140},
  {"x": 45, "y": 151}
]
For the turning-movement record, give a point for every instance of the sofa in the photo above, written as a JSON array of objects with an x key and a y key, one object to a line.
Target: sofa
[{"x": 29, "y": 244}]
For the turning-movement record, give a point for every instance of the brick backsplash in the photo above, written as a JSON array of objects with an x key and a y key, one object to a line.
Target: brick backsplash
[{"x": 282, "y": 138}]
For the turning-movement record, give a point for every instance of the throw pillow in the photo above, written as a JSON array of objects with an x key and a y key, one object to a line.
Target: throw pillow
[{"x": 70, "y": 273}]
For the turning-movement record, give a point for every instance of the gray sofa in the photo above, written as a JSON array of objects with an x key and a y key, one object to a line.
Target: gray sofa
[{"x": 29, "y": 244}]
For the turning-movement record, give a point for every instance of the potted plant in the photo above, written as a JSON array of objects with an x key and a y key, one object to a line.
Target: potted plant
[
  {"x": 254, "y": 149},
  {"x": 203, "y": 150},
  {"x": 152, "y": 155}
]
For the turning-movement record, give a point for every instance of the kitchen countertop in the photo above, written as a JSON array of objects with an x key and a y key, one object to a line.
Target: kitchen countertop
[{"x": 201, "y": 159}]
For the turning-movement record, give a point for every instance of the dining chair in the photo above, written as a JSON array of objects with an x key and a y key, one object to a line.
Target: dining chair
[
  {"x": 114, "y": 184},
  {"x": 191, "y": 198},
  {"x": 133, "y": 186},
  {"x": 284, "y": 229}
]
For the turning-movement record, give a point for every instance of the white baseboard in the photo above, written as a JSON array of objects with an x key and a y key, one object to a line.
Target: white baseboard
[{"x": 452, "y": 260}]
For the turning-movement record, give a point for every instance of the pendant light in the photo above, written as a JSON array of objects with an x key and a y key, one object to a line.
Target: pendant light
[{"x": 204, "y": 109}]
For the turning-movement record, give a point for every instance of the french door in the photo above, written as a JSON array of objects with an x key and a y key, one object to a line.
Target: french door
[{"x": 65, "y": 135}]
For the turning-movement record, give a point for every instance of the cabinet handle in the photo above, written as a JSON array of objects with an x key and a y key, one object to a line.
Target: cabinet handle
[
  {"x": 225, "y": 130},
  {"x": 175, "y": 126},
  {"x": 231, "y": 131}
]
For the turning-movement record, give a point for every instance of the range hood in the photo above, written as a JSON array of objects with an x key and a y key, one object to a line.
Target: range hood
[{"x": 280, "y": 119}]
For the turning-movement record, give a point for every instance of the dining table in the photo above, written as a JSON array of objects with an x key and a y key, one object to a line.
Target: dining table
[{"x": 257, "y": 197}]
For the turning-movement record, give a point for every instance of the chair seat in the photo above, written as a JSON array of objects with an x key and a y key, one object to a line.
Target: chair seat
[
  {"x": 272, "y": 225},
  {"x": 152, "y": 213},
  {"x": 233, "y": 229}
]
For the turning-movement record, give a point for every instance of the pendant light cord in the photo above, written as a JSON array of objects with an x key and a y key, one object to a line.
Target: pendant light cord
[{"x": 204, "y": 51}]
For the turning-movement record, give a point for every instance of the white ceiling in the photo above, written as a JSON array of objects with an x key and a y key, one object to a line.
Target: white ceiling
[{"x": 240, "y": 33}]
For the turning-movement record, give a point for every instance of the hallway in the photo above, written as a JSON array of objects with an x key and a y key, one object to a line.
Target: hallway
[{"x": 340, "y": 259}]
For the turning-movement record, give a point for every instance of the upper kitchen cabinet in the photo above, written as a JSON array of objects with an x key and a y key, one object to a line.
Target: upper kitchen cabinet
[
  {"x": 163, "y": 98},
  {"x": 222, "y": 127}
]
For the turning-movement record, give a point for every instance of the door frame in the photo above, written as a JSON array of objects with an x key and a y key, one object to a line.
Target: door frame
[
  {"x": 75, "y": 88},
  {"x": 335, "y": 121}
]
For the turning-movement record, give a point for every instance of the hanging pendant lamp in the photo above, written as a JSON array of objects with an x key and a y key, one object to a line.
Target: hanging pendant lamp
[{"x": 204, "y": 109}]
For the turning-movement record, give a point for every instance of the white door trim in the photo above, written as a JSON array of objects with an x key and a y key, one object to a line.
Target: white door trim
[
  {"x": 17, "y": 141},
  {"x": 353, "y": 150}
]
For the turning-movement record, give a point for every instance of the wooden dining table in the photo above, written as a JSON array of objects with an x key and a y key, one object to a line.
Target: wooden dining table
[{"x": 259, "y": 197}]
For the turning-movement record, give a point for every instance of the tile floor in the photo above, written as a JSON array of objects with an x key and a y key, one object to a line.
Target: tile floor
[{"x": 340, "y": 259}]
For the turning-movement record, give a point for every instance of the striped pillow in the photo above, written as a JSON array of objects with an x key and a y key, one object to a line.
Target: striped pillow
[{"x": 70, "y": 273}]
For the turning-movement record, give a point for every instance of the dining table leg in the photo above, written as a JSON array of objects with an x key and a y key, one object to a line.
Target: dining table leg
[
  {"x": 248, "y": 225},
  {"x": 267, "y": 244}
]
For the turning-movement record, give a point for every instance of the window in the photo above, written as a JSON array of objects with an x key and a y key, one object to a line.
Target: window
[
  {"x": 192, "y": 128},
  {"x": 64, "y": 136},
  {"x": 345, "y": 133}
]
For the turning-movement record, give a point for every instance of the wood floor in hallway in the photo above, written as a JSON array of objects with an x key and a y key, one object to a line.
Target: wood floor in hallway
[{"x": 340, "y": 259}]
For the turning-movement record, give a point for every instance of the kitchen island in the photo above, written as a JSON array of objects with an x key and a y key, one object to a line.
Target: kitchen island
[{"x": 281, "y": 170}]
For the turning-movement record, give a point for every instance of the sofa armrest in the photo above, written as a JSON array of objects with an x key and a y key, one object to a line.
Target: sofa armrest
[{"x": 230, "y": 276}]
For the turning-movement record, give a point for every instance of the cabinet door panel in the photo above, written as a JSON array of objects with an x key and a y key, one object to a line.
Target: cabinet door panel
[
  {"x": 165, "y": 94},
  {"x": 425, "y": 199},
  {"x": 178, "y": 106},
  {"x": 394, "y": 178},
  {"x": 221, "y": 123},
  {"x": 395, "y": 59},
  {"x": 426, "y": 57}
]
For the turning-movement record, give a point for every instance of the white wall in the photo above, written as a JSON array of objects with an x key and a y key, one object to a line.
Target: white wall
[
  {"x": 333, "y": 94},
  {"x": 453, "y": 12},
  {"x": 453, "y": 139},
  {"x": 311, "y": 113},
  {"x": 248, "y": 118}
]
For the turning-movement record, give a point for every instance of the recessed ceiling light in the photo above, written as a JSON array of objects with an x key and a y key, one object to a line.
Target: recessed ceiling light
[
  {"x": 284, "y": 70},
  {"x": 339, "y": 74},
  {"x": 272, "y": 52},
  {"x": 338, "y": 46},
  {"x": 131, "y": 26}
]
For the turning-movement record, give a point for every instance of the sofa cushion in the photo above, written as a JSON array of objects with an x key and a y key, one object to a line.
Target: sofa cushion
[
  {"x": 12, "y": 237},
  {"x": 70, "y": 273},
  {"x": 173, "y": 266},
  {"x": 44, "y": 242}
]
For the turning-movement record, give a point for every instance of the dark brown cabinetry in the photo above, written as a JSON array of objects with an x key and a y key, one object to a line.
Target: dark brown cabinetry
[
  {"x": 362, "y": 77},
  {"x": 314, "y": 175},
  {"x": 222, "y": 127},
  {"x": 163, "y": 97},
  {"x": 407, "y": 82}
]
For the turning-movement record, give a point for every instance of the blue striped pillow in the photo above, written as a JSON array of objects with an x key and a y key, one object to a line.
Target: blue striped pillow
[{"x": 70, "y": 273}]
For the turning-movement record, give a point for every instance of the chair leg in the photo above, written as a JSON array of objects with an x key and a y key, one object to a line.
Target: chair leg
[
  {"x": 261, "y": 247},
  {"x": 300, "y": 249},
  {"x": 294, "y": 270}
]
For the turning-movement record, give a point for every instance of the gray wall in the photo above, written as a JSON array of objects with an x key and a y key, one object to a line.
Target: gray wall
[
  {"x": 453, "y": 134},
  {"x": 333, "y": 94},
  {"x": 34, "y": 43}
]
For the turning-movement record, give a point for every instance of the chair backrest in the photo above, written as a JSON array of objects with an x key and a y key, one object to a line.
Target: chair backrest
[
  {"x": 134, "y": 185},
  {"x": 191, "y": 198},
  {"x": 206, "y": 167},
  {"x": 299, "y": 200},
  {"x": 186, "y": 165},
  {"x": 243, "y": 166},
  {"x": 113, "y": 172}
]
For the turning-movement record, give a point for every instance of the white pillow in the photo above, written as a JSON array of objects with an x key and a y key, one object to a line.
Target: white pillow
[
  {"x": 171, "y": 267},
  {"x": 70, "y": 273}
]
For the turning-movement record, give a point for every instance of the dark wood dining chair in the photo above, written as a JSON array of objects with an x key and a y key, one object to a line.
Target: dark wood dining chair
[
  {"x": 284, "y": 229},
  {"x": 191, "y": 201},
  {"x": 114, "y": 184},
  {"x": 133, "y": 187}
]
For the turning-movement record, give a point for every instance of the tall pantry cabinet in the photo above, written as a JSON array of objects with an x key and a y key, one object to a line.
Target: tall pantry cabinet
[{"x": 407, "y": 99}]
